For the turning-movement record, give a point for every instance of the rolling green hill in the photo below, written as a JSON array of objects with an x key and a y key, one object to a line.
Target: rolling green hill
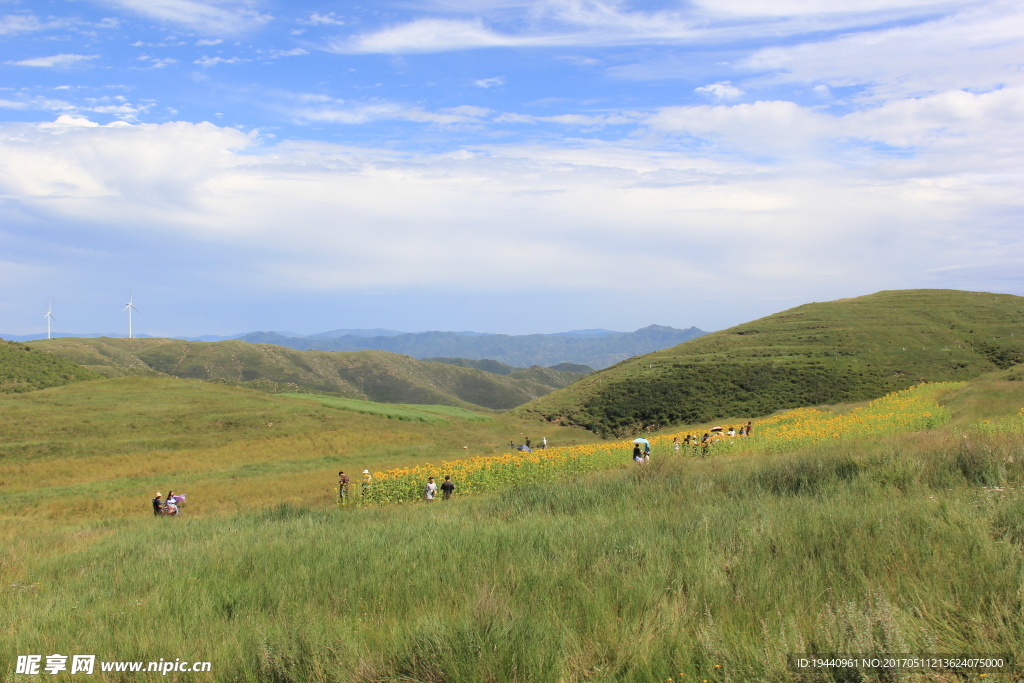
[
  {"x": 23, "y": 368},
  {"x": 556, "y": 376},
  {"x": 817, "y": 353},
  {"x": 367, "y": 375}
]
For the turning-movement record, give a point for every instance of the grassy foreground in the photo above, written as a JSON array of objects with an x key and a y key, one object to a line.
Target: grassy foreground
[
  {"x": 100, "y": 450},
  {"x": 687, "y": 569}
]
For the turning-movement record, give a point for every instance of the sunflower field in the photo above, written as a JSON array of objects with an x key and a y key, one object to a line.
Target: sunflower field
[{"x": 912, "y": 409}]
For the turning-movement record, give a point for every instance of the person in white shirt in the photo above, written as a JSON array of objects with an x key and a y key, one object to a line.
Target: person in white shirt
[{"x": 430, "y": 490}]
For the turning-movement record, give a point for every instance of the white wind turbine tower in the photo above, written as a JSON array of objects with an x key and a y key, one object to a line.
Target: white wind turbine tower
[
  {"x": 49, "y": 317},
  {"x": 130, "y": 307}
]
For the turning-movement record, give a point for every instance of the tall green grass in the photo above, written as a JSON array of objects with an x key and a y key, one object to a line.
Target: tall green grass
[
  {"x": 391, "y": 411},
  {"x": 710, "y": 570}
]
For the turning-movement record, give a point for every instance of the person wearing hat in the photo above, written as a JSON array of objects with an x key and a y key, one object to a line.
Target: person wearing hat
[
  {"x": 367, "y": 478},
  {"x": 158, "y": 507}
]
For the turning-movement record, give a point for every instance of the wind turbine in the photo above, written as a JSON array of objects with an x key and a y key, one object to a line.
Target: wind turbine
[
  {"x": 130, "y": 307},
  {"x": 49, "y": 317}
]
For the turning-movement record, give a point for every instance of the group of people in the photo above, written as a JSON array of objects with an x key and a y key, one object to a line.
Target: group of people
[
  {"x": 344, "y": 481},
  {"x": 641, "y": 456},
  {"x": 447, "y": 487},
  {"x": 169, "y": 506},
  {"x": 527, "y": 446},
  {"x": 704, "y": 442}
]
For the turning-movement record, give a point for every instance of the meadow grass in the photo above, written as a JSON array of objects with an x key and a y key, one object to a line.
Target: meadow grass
[
  {"x": 912, "y": 409},
  {"x": 691, "y": 569},
  {"x": 451, "y": 411},
  {"x": 711, "y": 570},
  {"x": 100, "y": 450},
  {"x": 394, "y": 411}
]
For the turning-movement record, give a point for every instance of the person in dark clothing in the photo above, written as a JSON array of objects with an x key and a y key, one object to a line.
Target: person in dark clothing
[
  {"x": 158, "y": 507},
  {"x": 527, "y": 442},
  {"x": 447, "y": 488},
  {"x": 637, "y": 455},
  {"x": 343, "y": 482}
]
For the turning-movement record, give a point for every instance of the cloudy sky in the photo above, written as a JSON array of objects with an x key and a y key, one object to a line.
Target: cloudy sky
[{"x": 500, "y": 165}]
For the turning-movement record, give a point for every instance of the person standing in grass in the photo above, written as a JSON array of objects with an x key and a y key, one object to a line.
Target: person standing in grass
[
  {"x": 430, "y": 490},
  {"x": 527, "y": 442},
  {"x": 170, "y": 504},
  {"x": 343, "y": 482},
  {"x": 637, "y": 455},
  {"x": 158, "y": 507},
  {"x": 544, "y": 442},
  {"x": 447, "y": 488}
]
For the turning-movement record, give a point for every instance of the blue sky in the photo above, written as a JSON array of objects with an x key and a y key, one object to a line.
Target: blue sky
[{"x": 500, "y": 165}]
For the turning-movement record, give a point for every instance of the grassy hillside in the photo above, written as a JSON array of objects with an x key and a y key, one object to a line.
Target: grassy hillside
[
  {"x": 399, "y": 411},
  {"x": 99, "y": 450},
  {"x": 368, "y": 375},
  {"x": 818, "y": 353},
  {"x": 23, "y": 368},
  {"x": 556, "y": 376},
  {"x": 681, "y": 570}
]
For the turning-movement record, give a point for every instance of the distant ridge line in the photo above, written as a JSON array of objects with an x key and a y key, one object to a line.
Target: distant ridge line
[
  {"x": 596, "y": 348},
  {"x": 583, "y": 347}
]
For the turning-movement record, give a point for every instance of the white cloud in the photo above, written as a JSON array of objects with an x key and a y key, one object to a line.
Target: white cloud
[
  {"x": 20, "y": 23},
  {"x": 990, "y": 123},
  {"x": 315, "y": 216},
  {"x": 43, "y": 103},
  {"x": 428, "y": 35},
  {"x": 294, "y": 52},
  {"x": 976, "y": 48},
  {"x": 492, "y": 82},
  {"x": 226, "y": 17},
  {"x": 588, "y": 121},
  {"x": 764, "y": 127},
  {"x": 328, "y": 19},
  {"x": 949, "y": 133},
  {"x": 117, "y": 106},
  {"x": 720, "y": 91},
  {"x": 209, "y": 41},
  {"x": 788, "y": 8},
  {"x": 597, "y": 22},
  {"x": 214, "y": 61},
  {"x": 319, "y": 109},
  {"x": 69, "y": 121},
  {"x": 157, "y": 63},
  {"x": 55, "y": 61}
]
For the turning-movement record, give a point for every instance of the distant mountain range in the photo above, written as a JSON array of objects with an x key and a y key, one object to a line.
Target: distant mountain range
[{"x": 596, "y": 348}]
